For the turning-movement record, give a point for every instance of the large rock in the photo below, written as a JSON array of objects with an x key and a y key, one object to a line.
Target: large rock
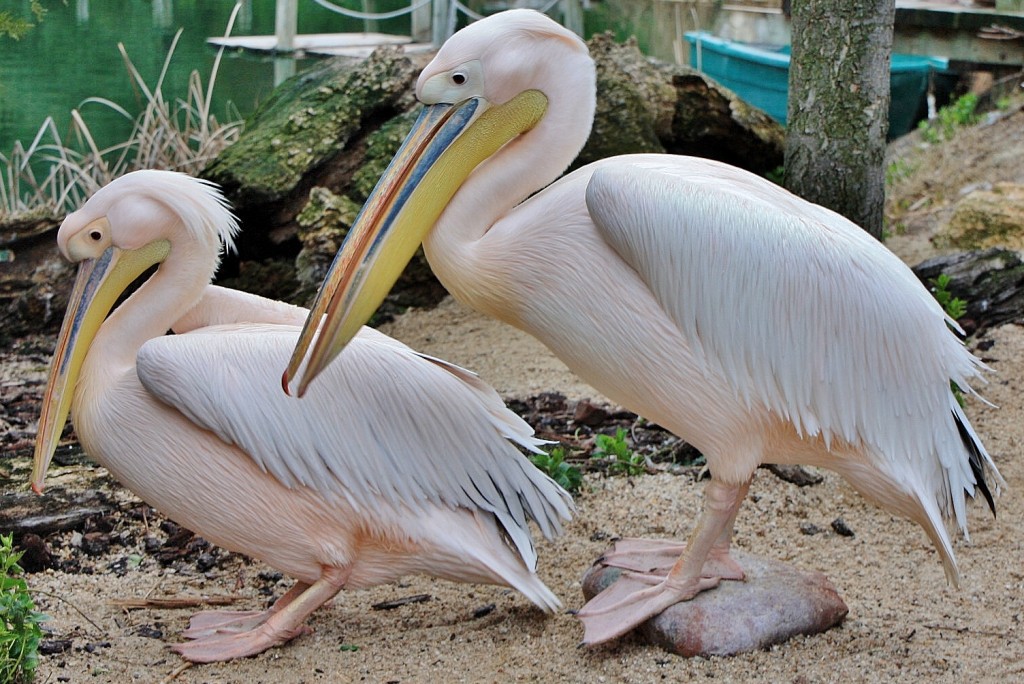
[
  {"x": 776, "y": 602},
  {"x": 644, "y": 105},
  {"x": 987, "y": 217},
  {"x": 311, "y": 132}
]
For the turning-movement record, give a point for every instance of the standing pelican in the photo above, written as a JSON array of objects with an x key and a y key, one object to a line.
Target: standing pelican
[
  {"x": 396, "y": 463},
  {"x": 755, "y": 325}
]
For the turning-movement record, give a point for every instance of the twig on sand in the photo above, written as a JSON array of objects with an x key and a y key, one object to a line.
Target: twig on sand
[
  {"x": 172, "y": 603},
  {"x": 174, "y": 675},
  {"x": 78, "y": 610}
]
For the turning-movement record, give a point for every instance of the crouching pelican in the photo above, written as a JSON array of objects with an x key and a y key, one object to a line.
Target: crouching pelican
[
  {"x": 757, "y": 326},
  {"x": 396, "y": 463}
]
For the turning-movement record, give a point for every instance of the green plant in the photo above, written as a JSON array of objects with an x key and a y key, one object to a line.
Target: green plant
[
  {"x": 897, "y": 170},
  {"x": 961, "y": 112},
  {"x": 554, "y": 465},
  {"x": 14, "y": 26},
  {"x": 20, "y": 632},
  {"x": 615, "y": 450},
  {"x": 955, "y": 308},
  {"x": 777, "y": 175}
]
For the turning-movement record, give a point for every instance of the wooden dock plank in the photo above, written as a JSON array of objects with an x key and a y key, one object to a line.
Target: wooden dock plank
[{"x": 348, "y": 44}]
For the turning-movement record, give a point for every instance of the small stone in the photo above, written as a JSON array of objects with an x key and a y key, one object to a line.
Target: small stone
[
  {"x": 53, "y": 646},
  {"x": 841, "y": 528},
  {"x": 206, "y": 561},
  {"x": 809, "y": 528},
  {"x": 483, "y": 611},
  {"x": 37, "y": 554},
  {"x": 589, "y": 414},
  {"x": 95, "y": 543},
  {"x": 150, "y": 632}
]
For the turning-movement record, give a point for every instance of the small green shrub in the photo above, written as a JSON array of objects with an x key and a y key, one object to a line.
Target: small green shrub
[
  {"x": 15, "y": 26},
  {"x": 897, "y": 170},
  {"x": 20, "y": 632},
  {"x": 961, "y": 112},
  {"x": 615, "y": 450},
  {"x": 554, "y": 465},
  {"x": 955, "y": 308}
]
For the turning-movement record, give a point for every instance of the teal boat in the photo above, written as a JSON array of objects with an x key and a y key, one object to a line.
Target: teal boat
[{"x": 761, "y": 77}]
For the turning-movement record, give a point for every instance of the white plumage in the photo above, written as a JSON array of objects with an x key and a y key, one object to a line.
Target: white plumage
[
  {"x": 755, "y": 325},
  {"x": 397, "y": 463}
]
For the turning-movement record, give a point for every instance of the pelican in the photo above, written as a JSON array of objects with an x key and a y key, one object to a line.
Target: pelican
[
  {"x": 396, "y": 463},
  {"x": 755, "y": 325}
]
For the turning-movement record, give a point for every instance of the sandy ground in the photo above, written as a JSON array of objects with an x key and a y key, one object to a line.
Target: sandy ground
[{"x": 904, "y": 624}]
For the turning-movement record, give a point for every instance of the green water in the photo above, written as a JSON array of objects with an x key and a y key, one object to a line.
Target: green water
[{"x": 72, "y": 55}]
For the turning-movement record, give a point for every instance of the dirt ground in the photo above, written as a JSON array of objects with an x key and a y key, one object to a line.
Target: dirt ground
[{"x": 904, "y": 624}]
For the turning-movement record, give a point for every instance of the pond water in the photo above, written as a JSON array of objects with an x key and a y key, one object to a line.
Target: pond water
[{"x": 72, "y": 55}]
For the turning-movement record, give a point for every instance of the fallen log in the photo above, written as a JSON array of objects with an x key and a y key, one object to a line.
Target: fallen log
[{"x": 990, "y": 281}]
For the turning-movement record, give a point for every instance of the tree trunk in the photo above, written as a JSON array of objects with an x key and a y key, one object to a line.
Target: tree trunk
[{"x": 839, "y": 106}]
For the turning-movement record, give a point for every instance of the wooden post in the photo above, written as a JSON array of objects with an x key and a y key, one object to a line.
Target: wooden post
[
  {"x": 370, "y": 25},
  {"x": 440, "y": 31},
  {"x": 284, "y": 68},
  {"x": 420, "y": 29},
  {"x": 572, "y": 16},
  {"x": 286, "y": 24}
]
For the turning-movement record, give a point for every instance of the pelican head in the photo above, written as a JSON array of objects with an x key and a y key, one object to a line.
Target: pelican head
[
  {"x": 124, "y": 229},
  {"x": 488, "y": 85}
]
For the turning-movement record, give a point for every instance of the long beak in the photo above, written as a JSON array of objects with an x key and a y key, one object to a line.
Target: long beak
[
  {"x": 99, "y": 283},
  {"x": 445, "y": 145}
]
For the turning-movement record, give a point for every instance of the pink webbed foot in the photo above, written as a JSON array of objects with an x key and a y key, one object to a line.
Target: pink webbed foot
[
  {"x": 217, "y": 646},
  {"x": 213, "y": 622},
  {"x": 631, "y": 601},
  {"x": 656, "y": 557},
  {"x": 666, "y": 573},
  {"x": 221, "y": 635}
]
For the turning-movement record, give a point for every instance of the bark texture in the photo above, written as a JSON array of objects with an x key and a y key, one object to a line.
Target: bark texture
[{"x": 838, "y": 112}]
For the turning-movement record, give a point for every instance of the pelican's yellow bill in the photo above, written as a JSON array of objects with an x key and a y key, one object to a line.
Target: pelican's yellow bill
[
  {"x": 446, "y": 144},
  {"x": 99, "y": 283}
]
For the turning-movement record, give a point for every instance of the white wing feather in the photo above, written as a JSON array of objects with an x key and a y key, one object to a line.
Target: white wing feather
[
  {"x": 801, "y": 311},
  {"x": 382, "y": 423}
]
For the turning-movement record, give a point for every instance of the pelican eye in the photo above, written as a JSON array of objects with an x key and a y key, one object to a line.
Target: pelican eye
[
  {"x": 458, "y": 78},
  {"x": 96, "y": 235}
]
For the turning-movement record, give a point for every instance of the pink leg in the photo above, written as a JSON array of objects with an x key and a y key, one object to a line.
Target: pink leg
[
  {"x": 212, "y": 622},
  {"x": 719, "y": 563},
  {"x": 611, "y": 614},
  {"x": 281, "y": 626},
  {"x": 656, "y": 557}
]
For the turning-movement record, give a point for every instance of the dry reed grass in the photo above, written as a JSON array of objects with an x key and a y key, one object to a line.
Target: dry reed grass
[{"x": 53, "y": 176}]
